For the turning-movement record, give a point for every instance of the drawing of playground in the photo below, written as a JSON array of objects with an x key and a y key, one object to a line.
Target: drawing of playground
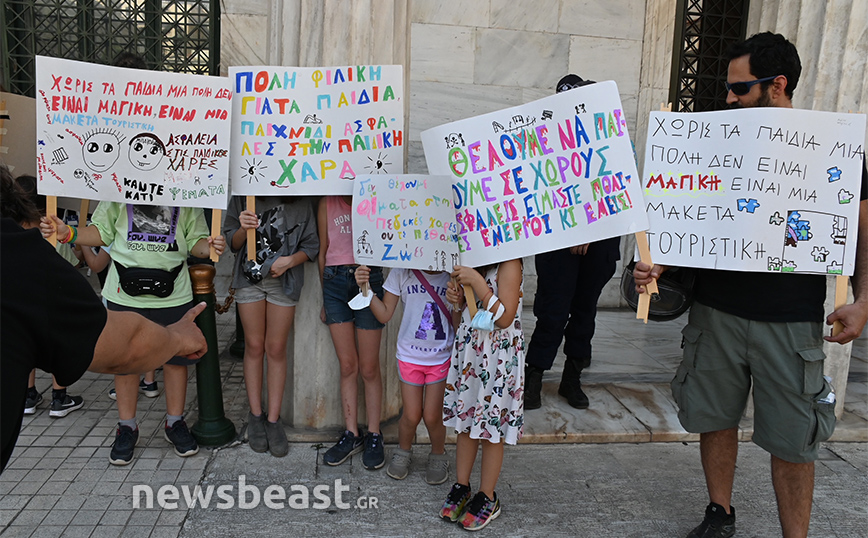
[{"x": 814, "y": 242}]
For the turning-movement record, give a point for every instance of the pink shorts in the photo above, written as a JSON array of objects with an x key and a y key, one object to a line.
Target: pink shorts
[{"x": 420, "y": 375}]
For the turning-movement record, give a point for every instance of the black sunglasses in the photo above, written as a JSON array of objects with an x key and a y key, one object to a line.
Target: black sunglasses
[{"x": 742, "y": 88}]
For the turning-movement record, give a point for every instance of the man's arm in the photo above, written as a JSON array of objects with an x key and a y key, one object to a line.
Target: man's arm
[
  {"x": 853, "y": 316},
  {"x": 131, "y": 344}
]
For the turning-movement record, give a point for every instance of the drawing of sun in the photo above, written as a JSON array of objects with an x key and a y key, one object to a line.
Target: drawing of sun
[
  {"x": 378, "y": 165},
  {"x": 253, "y": 170}
]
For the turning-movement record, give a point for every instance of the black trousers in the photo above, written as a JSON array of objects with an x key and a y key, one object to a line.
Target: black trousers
[{"x": 565, "y": 304}]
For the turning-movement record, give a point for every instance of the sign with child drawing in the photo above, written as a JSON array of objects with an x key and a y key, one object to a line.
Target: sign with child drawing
[
  {"x": 312, "y": 130},
  {"x": 550, "y": 174},
  {"x": 131, "y": 135},
  {"x": 405, "y": 221},
  {"x": 760, "y": 189}
]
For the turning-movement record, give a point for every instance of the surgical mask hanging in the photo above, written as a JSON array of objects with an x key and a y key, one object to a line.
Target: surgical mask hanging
[{"x": 482, "y": 321}]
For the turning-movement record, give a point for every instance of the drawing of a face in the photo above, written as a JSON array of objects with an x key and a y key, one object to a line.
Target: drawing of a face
[
  {"x": 146, "y": 151},
  {"x": 101, "y": 149},
  {"x": 78, "y": 174}
]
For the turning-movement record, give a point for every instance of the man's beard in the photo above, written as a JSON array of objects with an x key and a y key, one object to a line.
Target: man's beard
[{"x": 762, "y": 101}]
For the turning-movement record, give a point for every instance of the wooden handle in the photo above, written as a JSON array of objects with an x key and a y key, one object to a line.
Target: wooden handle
[
  {"x": 82, "y": 214},
  {"x": 470, "y": 297},
  {"x": 651, "y": 288},
  {"x": 216, "y": 216},
  {"x": 840, "y": 300},
  {"x": 251, "y": 233},
  {"x": 51, "y": 209}
]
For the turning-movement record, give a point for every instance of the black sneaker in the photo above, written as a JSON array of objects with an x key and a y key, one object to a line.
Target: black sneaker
[
  {"x": 348, "y": 445},
  {"x": 717, "y": 523},
  {"x": 66, "y": 405},
  {"x": 375, "y": 455},
  {"x": 149, "y": 389},
  {"x": 125, "y": 442},
  {"x": 179, "y": 435},
  {"x": 32, "y": 399}
]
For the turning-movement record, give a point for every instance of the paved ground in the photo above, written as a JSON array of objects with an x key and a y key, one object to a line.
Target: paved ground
[{"x": 59, "y": 482}]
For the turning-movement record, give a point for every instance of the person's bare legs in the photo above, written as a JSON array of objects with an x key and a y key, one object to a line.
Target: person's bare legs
[
  {"x": 794, "y": 491},
  {"x": 31, "y": 379},
  {"x": 150, "y": 376},
  {"x": 719, "y": 451},
  {"x": 465, "y": 455},
  {"x": 411, "y": 396},
  {"x": 344, "y": 340},
  {"x": 432, "y": 412},
  {"x": 127, "y": 391},
  {"x": 369, "y": 367},
  {"x": 492, "y": 462},
  {"x": 253, "y": 322},
  {"x": 278, "y": 322},
  {"x": 175, "y": 378}
]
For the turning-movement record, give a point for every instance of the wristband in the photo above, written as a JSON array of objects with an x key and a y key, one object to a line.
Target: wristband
[{"x": 68, "y": 237}]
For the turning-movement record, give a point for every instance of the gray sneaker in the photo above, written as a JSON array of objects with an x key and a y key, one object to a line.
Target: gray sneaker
[
  {"x": 438, "y": 469},
  {"x": 399, "y": 467},
  {"x": 277, "y": 444},
  {"x": 256, "y": 436}
]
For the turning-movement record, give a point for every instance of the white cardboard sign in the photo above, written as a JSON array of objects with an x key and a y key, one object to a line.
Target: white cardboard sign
[
  {"x": 759, "y": 189},
  {"x": 312, "y": 130},
  {"x": 405, "y": 221},
  {"x": 131, "y": 135},
  {"x": 550, "y": 174}
]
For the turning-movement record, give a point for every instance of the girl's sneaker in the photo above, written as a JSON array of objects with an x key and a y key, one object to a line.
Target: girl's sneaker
[
  {"x": 149, "y": 389},
  {"x": 348, "y": 445},
  {"x": 438, "y": 469},
  {"x": 456, "y": 502},
  {"x": 399, "y": 467},
  {"x": 480, "y": 511}
]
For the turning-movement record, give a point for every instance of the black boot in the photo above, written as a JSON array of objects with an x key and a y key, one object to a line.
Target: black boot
[
  {"x": 571, "y": 384},
  {"x": 532, "y": 386}
]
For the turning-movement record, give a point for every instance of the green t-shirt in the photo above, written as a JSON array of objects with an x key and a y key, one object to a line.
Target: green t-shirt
[{"x": 153, "y": 237}]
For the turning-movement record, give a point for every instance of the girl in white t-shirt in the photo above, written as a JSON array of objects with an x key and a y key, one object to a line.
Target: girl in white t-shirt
[{"x": 424, "y": 347}]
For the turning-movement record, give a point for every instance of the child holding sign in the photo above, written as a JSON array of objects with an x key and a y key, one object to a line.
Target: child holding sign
[
  {"x": 424, "y": 349},
  {"x": 483, "y": 399},
  {"x": 148, "y": 275},
  {"x": 268, "y": 290},
  {"x": 355, "y": 333}
]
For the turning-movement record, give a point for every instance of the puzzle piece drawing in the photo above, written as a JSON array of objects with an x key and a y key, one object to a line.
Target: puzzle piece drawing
[{"x": 747, "y": 205}]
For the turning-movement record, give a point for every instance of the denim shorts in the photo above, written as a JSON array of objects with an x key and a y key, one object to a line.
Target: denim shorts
[
  {"x": 160, "y": 316},
  {"x": 269, "y": 289},
  {"x": 339, "y": 287}
]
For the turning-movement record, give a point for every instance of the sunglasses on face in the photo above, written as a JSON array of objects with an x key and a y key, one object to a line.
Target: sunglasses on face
[{"x": 742, "y": 88}]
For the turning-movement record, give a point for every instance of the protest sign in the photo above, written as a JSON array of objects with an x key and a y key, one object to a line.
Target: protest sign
[
  {"x": 307, "y": 131},
  {"x": 550, "y": 174},
  {"x": 760, "y": 189},
  {"x": 130, "y": 135},
  {"x": 405, "y": 221}
]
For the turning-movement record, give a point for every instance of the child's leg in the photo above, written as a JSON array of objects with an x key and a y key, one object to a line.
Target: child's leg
[
  {"x": 31, "y": 380},
  {"x": 411, "y": 395},
  {"x": 465, "y": 455},
  {"x": 492, "y": 462},
  {"x": 369, "y": 365},
  {"x": 253, "y": 322},
  {"x": 127, "y": 390},
  {"x": 278, "y": 321},
  {"x": 54, "y": 384},
  {"x": 433, "y": 414},
  {"x": 344, "y": 339},
  {"x": 149, "y": 376},
  {"x": 175, "y": 378}
]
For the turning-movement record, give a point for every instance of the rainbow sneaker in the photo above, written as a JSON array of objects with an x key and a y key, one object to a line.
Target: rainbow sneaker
[
  {"x": 456, "y": 502},
  {"x": 480, "y": 511}
]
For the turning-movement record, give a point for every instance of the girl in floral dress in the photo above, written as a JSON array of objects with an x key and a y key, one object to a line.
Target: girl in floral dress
[{"x": 483, "y": 400}]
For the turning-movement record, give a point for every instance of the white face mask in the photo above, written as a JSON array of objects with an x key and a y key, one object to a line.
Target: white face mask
[{"x": 361, "y": 301}]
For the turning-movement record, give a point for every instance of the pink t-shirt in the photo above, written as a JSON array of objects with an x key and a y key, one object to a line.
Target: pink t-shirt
[{"x": 339, "y": 218}]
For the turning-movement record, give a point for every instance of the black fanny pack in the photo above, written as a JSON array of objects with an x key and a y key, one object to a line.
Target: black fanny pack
[{"x": 143, "y": 281}]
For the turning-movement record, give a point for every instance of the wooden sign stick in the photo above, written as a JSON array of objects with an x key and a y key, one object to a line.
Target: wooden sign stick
[
  {"x": 470, "y": 297},
  {"x": 51, "y": 209},
  {"x": 840, "y": 300},
  {"x": 216, "y": 216},
  {"x": 651, "y": 288},
  {"x": 251, "y": 233},
  {"x": 82, "y": 214}
]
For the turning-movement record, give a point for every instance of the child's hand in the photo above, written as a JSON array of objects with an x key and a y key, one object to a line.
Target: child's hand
[
  {"x": 248, "y": 220},
  {"x": 49, "y": 225},
  {"x": 454, "y": 294},
  {"x": 280, "y": 266},
  {"x": 363, "y": 275},
  {"x": 219, "y": 244},
  {"x": 467, "y": 276}
]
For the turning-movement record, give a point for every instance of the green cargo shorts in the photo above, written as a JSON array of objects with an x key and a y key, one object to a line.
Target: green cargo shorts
[{"x": 722, "y": 353}]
